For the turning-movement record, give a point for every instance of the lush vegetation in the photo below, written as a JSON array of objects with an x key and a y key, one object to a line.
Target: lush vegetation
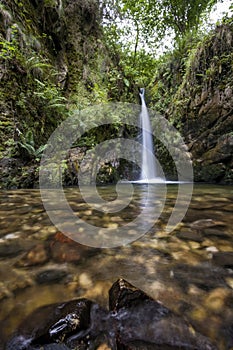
[{"x": 60, "y": 56}]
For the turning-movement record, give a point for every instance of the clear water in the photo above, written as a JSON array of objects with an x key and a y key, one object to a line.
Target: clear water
[{"x": 189, "y": 270}]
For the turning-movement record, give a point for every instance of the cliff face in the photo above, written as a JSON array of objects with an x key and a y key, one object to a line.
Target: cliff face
[
  {"x": 48, "y": 50},
  {"x": 204, "y": 106},
  {"x": 52, "y": 61}
]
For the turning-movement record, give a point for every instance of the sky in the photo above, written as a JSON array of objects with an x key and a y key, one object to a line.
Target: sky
[{"x": 218, "y": 12}]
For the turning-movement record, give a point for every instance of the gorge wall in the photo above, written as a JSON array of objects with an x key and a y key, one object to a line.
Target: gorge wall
[{"x": 203, "y": 107}]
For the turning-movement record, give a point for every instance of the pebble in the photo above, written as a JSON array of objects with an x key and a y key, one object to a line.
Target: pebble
[
  {"x": 38, "y": 255},
  {"x": 199, "y": 314},
  {"x": 50, "y": 276},
  {"x": 14, "y": 280},
  {"x": 212, "y": 249},
  {"x": 186, "y": 257},
  {"x": 199, "y": 275},
  {"x": 216, "y": 232},
  {"x": 190, "y": 235},
  {"x": 177, "y": 246},
  {"x": 229, "y": 282},
  {"x": 224, "y": 246},
  {"x": 217, "y": 299},
  {"x": 9, "y": 249},
  {"x": 194, "y": 245},
  {"x": 223, "y": 259},
  {"x": 103, "y": 347},
  {"x": 207, "y": 243},
  {"x": 228, "y": 207},
  {"x": 67, "y": 252},
  {"x": 99, "y": 291},
  {"x": 85, "y": 280},
  {"x": 204, "y": 223},
  {"x": 194, "y": 290},
  {"x": 72, "y": 286},
  {"x": 4, "y": 291},
  {"x": 12, "y": 235}
]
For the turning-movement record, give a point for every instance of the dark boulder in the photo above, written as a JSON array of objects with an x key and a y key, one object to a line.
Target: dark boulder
[{"x": 135, "y": 322}]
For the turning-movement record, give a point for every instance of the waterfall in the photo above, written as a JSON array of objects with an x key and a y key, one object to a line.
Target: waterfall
[{"x": 148, "y": 170}]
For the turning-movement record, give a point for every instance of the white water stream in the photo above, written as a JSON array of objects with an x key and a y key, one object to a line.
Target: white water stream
[{"x": 148, "y": 171}]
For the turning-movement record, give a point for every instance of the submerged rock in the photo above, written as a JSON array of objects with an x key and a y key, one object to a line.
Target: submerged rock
[
  {"x": 200, "y": 276},
  {"x": 50, "y": 276},
  {"x": 134, "y": 321},
  {"x": 223, "y": 259},
  {"x": 38, "y": 255}
]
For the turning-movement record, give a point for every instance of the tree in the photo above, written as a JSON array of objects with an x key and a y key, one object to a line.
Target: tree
[{"x": 153, "y": 20}]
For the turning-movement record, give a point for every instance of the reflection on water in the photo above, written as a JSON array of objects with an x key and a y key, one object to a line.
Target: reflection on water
[{"x": 189, "y": 270}]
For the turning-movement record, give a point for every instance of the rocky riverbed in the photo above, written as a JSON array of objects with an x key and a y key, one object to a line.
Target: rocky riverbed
[{"x": 189, "y": 270}]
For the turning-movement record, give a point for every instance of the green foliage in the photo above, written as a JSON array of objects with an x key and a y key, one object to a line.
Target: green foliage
[
  {"x": 28, "y": 148},
  {"x": 30, "y": 88},
  {"x": 134, "y": 31},
  {"x": 149, "y": 22},
  {"x": 50, "y": 3},
  {"x": 10, "y": 49}
]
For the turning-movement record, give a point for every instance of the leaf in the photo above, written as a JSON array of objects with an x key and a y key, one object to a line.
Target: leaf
[
  {"x": 40, "y": 150},
  {"x": 126, "y": 82}
]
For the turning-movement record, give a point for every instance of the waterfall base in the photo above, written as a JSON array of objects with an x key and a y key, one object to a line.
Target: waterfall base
[{"x": 158, "y": 180}]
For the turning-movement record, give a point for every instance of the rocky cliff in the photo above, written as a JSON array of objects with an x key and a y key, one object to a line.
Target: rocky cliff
[
  {"x": 203, "y": 105},
  {"x": 52, "y": 61}
]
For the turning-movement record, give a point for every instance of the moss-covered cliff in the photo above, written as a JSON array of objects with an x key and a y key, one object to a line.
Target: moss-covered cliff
[
  {"x": 204, "y": 104},
  {"x": 196, "y": 94},
  {"x": 53, "y": 60}
]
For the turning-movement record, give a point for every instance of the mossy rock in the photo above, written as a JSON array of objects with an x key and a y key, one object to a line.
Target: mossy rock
[{"x": 209, "y": 173}]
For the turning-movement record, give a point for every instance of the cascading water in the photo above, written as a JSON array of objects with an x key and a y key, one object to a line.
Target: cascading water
[{"x": 148, "y": 170}]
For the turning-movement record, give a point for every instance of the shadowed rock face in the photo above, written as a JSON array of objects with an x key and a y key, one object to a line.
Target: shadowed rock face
[
  {"x": 206, "y": 107},
  {"x": 135, "y": 321}
]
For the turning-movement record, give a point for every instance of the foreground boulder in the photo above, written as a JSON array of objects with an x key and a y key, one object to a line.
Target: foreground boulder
[{"x": 134, "y": 321}]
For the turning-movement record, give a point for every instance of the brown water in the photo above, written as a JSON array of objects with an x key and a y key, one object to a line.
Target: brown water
[{"x": 190, "y": 270}]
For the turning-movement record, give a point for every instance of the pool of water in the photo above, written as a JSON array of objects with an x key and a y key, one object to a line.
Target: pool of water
[{"x": 189, "y": 269}]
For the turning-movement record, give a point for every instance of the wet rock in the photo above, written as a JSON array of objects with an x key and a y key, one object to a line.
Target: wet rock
[
  {"x": 98, "y": 291},
  {"x": 66, "y": 252},
  {"x": 216, "y": 233},
  {"x": 85, "y": 280},
  {"x": 9, "y": 167},
  {"x": 135, "y": 321},
  {"x": 200, "y": 276},
  {"x": 227, "y": 332},
  {"x": 36, "y": 256},
  {"x": 190, "y": 235},
  {"x": 217, "y": 299},
  {"x": 55, "y": 346},
  {"x": 163, "y": 328},
  {"x": 13, "y": 281},
  {"x": 206, "y": 223},
  {"x": 190, "y": 258},
  {"x": 10, "y": 249},
  {"x": 229, "y": 282},
  {"x": 212, "y": 249},
  {"x": 123, "y": 294},
  {"x": 50, "y": 323},
  {"x": 50, "y": 276},
  {"x": 63, "y": 249},
  {"x": 223, "y": 259}
]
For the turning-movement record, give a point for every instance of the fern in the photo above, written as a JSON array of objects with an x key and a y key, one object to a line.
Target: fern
[{"x": 27, "y": 143}]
